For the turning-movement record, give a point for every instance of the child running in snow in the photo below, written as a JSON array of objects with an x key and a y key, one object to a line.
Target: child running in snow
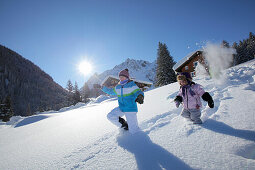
[
  {"x": 128, "y": 94},
  {"x": 189, "y": 94}
]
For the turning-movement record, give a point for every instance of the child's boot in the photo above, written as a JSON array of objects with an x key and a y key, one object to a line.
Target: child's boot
[{"x": 124, "y": 124}]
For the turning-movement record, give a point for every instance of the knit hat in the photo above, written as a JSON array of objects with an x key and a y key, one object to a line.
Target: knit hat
[
  {"x": 124, "y": 73},
  {"x": 187, "y": 75},
  {"x": 184, "y": 76}
]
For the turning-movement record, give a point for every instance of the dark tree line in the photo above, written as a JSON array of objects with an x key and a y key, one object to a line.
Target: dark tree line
[{"x": 245, "y": 50}]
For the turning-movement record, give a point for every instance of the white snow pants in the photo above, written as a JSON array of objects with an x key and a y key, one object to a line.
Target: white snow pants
[{"x": 131, "y": 117}]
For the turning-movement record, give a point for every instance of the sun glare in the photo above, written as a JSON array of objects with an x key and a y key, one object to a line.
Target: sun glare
[{"x": 85, "y": 67}]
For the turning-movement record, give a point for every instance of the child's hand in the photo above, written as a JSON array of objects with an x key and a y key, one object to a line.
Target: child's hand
[
  {"x": 178, "y": 99},
  {"x": 211, "y": 103},
  {"x": 139, "y": 99},
  {"x": 207, "y": 97},
  {"x": 177, "y": 104}
]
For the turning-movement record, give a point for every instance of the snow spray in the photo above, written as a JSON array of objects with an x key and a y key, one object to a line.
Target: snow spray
[
  {"x": 218, "y": 58},
  {"x": 200, "y": 70}
]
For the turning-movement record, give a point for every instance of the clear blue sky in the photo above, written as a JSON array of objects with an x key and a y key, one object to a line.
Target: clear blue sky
[{"x": 57, "y": 34}]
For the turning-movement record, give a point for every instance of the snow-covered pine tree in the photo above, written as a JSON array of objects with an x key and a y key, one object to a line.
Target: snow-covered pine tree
[{"x": 164, "y": 72}]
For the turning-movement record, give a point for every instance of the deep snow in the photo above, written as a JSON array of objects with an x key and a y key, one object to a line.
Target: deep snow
[{"x": 81, "y": 137}]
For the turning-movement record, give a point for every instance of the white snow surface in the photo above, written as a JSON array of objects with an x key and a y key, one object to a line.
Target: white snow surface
[{"x": 83, "y": 138}]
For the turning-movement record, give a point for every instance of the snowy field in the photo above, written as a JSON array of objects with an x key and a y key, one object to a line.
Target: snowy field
[{"x": 81, "y": 137}]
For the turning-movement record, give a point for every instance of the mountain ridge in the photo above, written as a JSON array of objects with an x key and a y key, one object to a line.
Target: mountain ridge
[
  {"x": 138, "y": 69},
  {"x": 30, "y": 88}
]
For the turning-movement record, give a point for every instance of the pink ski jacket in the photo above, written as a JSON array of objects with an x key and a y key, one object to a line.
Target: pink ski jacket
[{"x": 191, "y": 96}]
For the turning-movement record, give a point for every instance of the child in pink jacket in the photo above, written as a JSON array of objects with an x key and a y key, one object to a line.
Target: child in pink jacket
[{"x": 189, "y": 94}]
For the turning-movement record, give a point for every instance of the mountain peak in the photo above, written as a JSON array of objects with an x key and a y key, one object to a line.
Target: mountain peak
[{"x": 138, "y": 69}]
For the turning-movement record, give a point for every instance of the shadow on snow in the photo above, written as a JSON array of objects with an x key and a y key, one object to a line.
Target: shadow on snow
[
  {"x": 220, "y": 127},
  {"x": 148, "y": 154},
  {"x": 30, "y": 120}
]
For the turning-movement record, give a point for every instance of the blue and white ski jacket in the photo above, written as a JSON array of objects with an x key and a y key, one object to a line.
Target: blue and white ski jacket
[{"x": 127, "y": 94}]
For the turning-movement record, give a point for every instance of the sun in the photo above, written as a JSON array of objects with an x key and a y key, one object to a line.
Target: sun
[{"x": 85, "y": 67}]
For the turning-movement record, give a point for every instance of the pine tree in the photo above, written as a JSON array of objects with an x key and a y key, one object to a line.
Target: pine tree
[
  {"x": 6, "y": 110},
  {"x": 85, "y": 92},
  {"x": 164, "y": 73},
  {"x": 236, "y": 56},
  {"x": 225, "y": 44},
  {"x": 29, "y": 113},
  {"x": 243, "y": 51},
  {"x": 69, "y": 86},
  {"x": 77, "y": 95},
  {"x": 251, "y": 46},
  {"x": 70, "y": 97}
]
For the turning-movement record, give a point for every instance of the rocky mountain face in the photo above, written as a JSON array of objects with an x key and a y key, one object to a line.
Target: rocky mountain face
[
  {"x": 30, "y": 88},
  {"x": 138, "y": 69}
]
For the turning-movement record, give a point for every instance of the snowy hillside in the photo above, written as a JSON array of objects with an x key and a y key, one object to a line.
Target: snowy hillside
[
  {"x": 83, "y": 138},
  {"x": 138, "y": 69}
]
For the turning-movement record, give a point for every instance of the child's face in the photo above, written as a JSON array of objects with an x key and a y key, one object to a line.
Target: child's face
[
  {"x": 122, "y": 78},
  {"x": 183, "y": 82}
]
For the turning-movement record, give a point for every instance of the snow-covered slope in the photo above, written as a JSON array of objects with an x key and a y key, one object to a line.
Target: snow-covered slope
[
  {"x": 83, "y": 138},
  {"x": 138, "y": 69}
]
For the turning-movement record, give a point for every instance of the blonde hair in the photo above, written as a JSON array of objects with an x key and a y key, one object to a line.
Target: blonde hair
[{"x": 181, "y": 77}]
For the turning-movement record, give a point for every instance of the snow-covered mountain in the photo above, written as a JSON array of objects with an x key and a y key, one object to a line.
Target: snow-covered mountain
[
  {"x": 138, "y": 69},
  {"x": 82, "y": 138}
]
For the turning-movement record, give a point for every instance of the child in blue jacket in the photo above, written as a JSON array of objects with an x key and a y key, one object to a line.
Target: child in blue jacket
[{"x": 128, "y": 94}]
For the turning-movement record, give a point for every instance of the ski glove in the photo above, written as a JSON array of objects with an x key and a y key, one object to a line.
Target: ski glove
[
  {"x": 211, "y": 103},
  {"x": 178, "y": 100},
  {"x": 207, "y": 97},
  {"x": 139, "y": 99}
]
